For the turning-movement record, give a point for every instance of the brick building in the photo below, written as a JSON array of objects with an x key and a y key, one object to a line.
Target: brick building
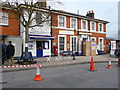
[
  {"x": 71, "y": 29},
  {"x": 10, "y": 29},
  {"x": 68, "y": 29}
]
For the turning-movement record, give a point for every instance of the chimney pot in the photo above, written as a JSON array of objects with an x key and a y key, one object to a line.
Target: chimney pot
[{"x": 92, "y": 11}]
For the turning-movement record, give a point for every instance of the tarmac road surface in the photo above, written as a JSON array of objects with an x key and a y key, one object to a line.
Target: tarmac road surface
[{"x": 72, "y": 76}]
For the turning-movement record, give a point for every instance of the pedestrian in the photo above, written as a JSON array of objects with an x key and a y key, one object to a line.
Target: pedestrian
[
  {"x": 10, "y": 53},
  {"x": 3, "y": 51}
]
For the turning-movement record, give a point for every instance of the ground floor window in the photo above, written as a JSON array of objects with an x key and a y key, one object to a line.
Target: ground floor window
[
  {"x": 101, "y": 44},
  {"x": 73, "y": 43},
  {"x": 62, "y": 43}
]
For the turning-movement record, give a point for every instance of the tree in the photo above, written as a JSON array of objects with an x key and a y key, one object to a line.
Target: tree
[{"x": 25, "y": 11}]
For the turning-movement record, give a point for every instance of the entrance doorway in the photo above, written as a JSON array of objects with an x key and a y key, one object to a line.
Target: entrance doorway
[{"x": 39, "y": 46}]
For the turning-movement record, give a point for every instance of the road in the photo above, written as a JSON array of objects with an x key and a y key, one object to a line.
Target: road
[{"x": 72, "y": 76}]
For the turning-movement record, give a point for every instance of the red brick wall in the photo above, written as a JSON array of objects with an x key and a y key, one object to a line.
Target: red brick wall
[
  {"x": 79, "y": 23},
  {"x": 56, "y": 31},
  {"x": 104, "y": 27},
  {"x": 13, "y": 25},
  {"x": 54, "y": 20},
  {"x": 68, "y": 22},
  {"x": 96, "y": 26}
]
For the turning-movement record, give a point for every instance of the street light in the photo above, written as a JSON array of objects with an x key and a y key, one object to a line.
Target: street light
[{"x": 73, "y": 52}]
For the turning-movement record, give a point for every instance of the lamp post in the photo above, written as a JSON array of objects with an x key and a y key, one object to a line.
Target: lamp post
[{"x": 73, "y": 52}]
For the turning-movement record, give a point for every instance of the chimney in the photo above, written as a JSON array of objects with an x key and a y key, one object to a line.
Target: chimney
[
  {"x": 42, "y": 3},
  {"x": 90, "y": 14}
]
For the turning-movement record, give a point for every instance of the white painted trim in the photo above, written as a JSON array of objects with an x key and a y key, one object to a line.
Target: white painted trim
[
  {"x": 71, "y": 23},
  {"x": 65, "y": 42},
  {"x": 85, "y": 33},
  {"x": 101, "y": 32},
  {"x": 78, "y": 29},
  {"x": 102, "y": 43},
  {"x": 84, "y": 36},
  {"x": 84, "y": 30},
  {"x": 86, "y": 24},
  {"x": 59, "y": 20},
  {"x": 71, "y": 43},
  {"x": 63, "y": 28}
]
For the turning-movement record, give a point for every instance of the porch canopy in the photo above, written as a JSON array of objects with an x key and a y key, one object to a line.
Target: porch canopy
[{"x": 41, "y": 37}]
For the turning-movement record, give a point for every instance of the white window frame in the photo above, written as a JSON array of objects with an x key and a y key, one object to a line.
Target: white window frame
[
  {"x": 64, "y": 21},
  {"x": 94, "y": 25},
  {"x": 5, "y": 15},
  {"x": 92, "y": 38},
  {"x": 82, "y": 24},
  {"x": 85, "y": 36},
  {"x": 65, "y": 42},
  {"x": 102, "y": 43},
  {"x": 71, "y": 23},
  {"x": 71, "y": 43},
  {"x": 99, "y": 27}
]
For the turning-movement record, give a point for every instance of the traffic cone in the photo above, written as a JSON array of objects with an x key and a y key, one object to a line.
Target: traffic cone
[
  {"x": 118, "y": 62},
  {"x": 37, "y": 77},
  {"x": 109, "y": 65},
  {"x": 92, "y": 68}
]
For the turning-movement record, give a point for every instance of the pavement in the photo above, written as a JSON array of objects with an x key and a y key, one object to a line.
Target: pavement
[{"x": 46, "y": 62}]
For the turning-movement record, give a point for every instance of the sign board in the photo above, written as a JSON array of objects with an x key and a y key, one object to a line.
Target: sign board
[
  {"x": 66, "y": 32},
  {"x": 30, "y": 45},
  {"x": 113, "y": 47},
  {"x": 43, "y": 28},
  {"x": 94, "y": 46}
]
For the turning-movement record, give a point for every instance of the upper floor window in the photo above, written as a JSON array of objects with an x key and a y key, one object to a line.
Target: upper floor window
[
  {"x": 84, "y": 24},
  {"x": 100, "y": 27},
  {"x": 3, "y": 18},
  {"x": 74, "y": 23},
  {"x": 92, "y": 25},
  {"x": 62, "y": 21}
]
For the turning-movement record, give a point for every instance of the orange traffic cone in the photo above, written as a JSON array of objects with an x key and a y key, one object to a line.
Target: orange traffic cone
[
  {"x": 109, "y": 65},
  {"x": 118, "y": 62},
  {"x": 37, "y": 77},
  {"x": 92, "y": 68}
]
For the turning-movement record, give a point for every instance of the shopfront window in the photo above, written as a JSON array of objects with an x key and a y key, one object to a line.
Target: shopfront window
[
  {"x": 61, "y": 44},
  {"x": 101, "y": 44},
  {"x": 46, "y": 45},
  {"x": 73, "y": 43}
]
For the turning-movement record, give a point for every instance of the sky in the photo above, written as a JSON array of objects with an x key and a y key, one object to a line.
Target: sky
[{"x": 103, "y": 9}]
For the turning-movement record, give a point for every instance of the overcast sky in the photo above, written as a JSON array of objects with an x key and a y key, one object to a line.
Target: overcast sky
[{"x": 103, "y": 9}]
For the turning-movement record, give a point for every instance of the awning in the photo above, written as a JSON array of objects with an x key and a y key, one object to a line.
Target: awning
[{"x": 42, "y": 37}]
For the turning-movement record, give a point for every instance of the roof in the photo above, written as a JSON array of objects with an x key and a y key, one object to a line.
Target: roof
[{"x": 78, "y": 16}]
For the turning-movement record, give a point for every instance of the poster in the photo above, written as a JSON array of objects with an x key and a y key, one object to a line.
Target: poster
[
  {"x": 113, "y": 47},
  {"x": 94, "y": 46}
]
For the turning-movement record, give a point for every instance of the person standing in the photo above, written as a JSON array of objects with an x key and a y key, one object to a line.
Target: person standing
[
  {"x": 10, "y": 53},
  {"x": 3, "y": 51}
]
